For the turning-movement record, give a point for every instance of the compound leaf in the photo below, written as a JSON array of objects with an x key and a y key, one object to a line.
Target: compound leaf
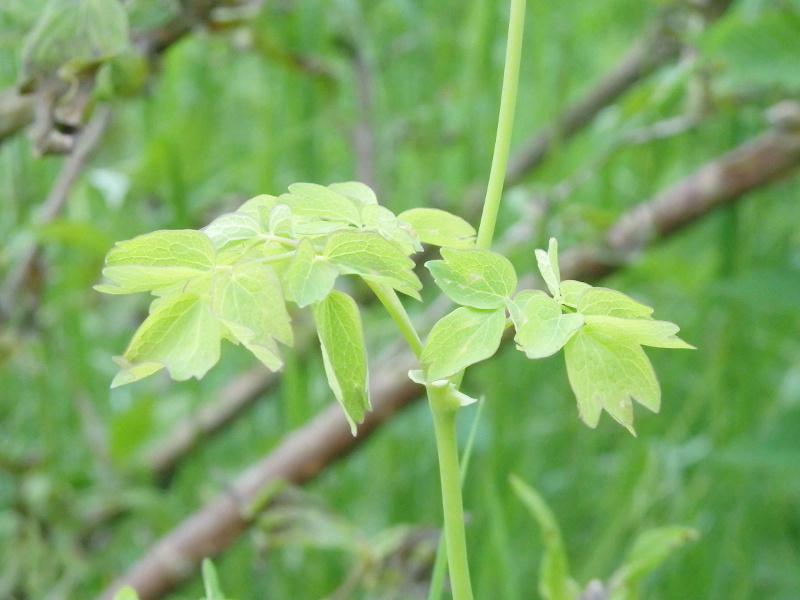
[
  {"x": 606, "y": 368},
  {"x": 181, "y": 335},
  {"x": 307, "y": 278},
  {"x": 369, "y": 255},
  {"x": 542, "y": 329},
  {"x": 476, "y": 278},
  {"x": 548, "y": 267},
  {"x": 462, "y": 338},
  {"x": 158, "y": 259},
  {"x": 249, "y": 301},
  {"x": 344, "y": 354},
  {"x": 440, "y": 228},
  {"x": 311, "y": 199}
]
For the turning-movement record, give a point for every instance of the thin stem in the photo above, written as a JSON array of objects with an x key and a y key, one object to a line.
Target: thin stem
[
  {"x": 502, "y": 145},
  {"x": 444, "y": 408},
  {"x": 388, "y": 297}
]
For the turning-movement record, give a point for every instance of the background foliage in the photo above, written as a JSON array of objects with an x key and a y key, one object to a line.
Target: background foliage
[{"x": 404, "y": 95}]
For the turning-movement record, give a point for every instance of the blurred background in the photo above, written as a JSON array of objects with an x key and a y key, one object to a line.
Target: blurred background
[{"x": 196, "y": 105}]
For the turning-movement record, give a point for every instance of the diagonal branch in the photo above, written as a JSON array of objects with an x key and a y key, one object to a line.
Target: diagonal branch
[{"x": 308, "y": 450}]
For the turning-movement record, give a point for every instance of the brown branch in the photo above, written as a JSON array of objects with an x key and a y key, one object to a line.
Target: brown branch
[
  {"x": 53, "y": 205},
  {"x": 326, "y": 438}
]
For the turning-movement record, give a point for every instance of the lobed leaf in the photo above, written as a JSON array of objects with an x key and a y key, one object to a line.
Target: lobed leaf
[
  {"x": 344, "y": 354},
  {"x": 571, "y": 292},
  {"x": 548, "y": 267},
  {"x": 606, "y": 368},
  {"x": 462, "y": 338},
  {"x": 381, "y": 219},
  {"x": 158, "y": 259},
  {"x": 476, "y": 278},
  {"x": 311, "y": 199},
  {"x": 440, "y": 228},
  {"x": 248, "y": 299},
  {"x": 181, "y": 335},
  {"x": 307, "y": 278},
  {"x": 542, "y": 329},
  {"x": 369, "y": 255},
  {"x": 646, "y": 332}
]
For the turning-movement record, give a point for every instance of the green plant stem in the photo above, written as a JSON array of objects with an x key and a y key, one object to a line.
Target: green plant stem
[
  {"x": 444, "y": 408},
  {"x": 388, "y": 297},
  {"x": 502, "y": 144}
]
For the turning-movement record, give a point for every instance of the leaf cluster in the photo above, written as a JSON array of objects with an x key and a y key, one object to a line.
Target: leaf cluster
[{"x": 235, "y": 278}]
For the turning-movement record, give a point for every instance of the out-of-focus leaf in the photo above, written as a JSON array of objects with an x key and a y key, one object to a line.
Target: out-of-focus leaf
[
  {"x": 126, "y": 593},
  {"x": 211, "y": 581},
  {"x": 548, "y": 267},
  {"x": 555, "y": 582},
  {"x": 318, "y": 201},
  {"x": 356, "y": 191}
]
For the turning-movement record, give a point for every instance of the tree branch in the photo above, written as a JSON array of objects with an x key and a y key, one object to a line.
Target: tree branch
[{"x": 326, "y": 438}]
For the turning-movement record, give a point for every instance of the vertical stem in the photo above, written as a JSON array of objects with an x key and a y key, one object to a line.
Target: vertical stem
[
  {"x": 508, "y": 100},
  {"x": 444, "y": 410}
]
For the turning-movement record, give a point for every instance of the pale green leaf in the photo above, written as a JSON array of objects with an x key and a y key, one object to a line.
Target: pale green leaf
[
  {"x": 646, "y": 332},
  {"x": 476, "y": 278},
  {"x": 230, "y": 228},
  {"x": 649, "y": 551},
  {"x": 307, "y": 278},
  {"x": 555, "y": 582},
  {"x": 311, "y": 199},
  {"x": 606, "y": 302},
  {"x": 344, "y": 354},
  {"x": 440, "y": 228},
  {"x": 548, "y": 267},
  {"x": 381, "y": 219},
  {"x": 461, "y": 338},
  {"x": 542, "y": 329},
  {"x": 249, "y": 301},
  {"x": 571, "y": 292},
  {"x": 180, "y": 335},
  {"x": 369, "y": 255},
  {"x": 606, "y": 368},
  {"x": 281, "y": 222},
  {"x": 356, "y": 191},
  {"x": 157, "y": 259},
  {"x": 126, "y": 593}
]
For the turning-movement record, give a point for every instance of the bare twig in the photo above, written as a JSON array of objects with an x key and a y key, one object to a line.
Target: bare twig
[
  {"x": 309, "y": 449},
  {"x": 54, "y": 204}
]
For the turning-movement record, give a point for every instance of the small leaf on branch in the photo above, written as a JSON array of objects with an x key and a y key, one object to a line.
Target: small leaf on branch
[
  {"x": 344, "y": 354},
  {"x": 181, "y": 335},
  {"x": 156, "y": 260},
  {"x": 548, "y": 267},
  {"x": 571, "y": 292},
  {"x": 249, "y": 301},
  {"x": 311, "y": 199},
  {"x": 369, "y": 255},
  {"x": 307, "y": 278},
  {"x": 259, "y": 207},
  {"x": 462, "y": 338},
  {"x": 440, "y": 228},
  {"x": 280, "y": 221},
  {"x": 476, "y": 278},
  {"x": 381, "y": 219},
  {"x": 542, "y": 329}
]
